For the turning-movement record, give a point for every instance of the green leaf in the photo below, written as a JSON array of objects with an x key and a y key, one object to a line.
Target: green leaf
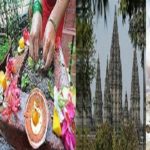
[
  {"x": 49, "y": 73},
  {"x": 31, "y": 62},
  {"x": 25, "y": 81},
  {"x": 51, "y": 89}
]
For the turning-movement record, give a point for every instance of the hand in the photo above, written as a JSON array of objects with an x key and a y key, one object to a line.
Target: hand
[
  {"x": 35, "y": 35},
  {"x": 48, "y": 44}
]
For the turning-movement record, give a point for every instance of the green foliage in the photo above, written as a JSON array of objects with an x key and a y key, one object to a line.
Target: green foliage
[
  {"x": 9, "y": 16},
  {"x": 11, "y": 21},
  {"x": 128, "y": 7},
  {"x": 85, "y": 62},
  {"x": 127, "y": 139},
  {"x": 49, "y": 73},
  {"x": 38, "y": 65},
  {"x": 51, "y": 89},
  {"x": 24, "y": 81},
  {"x": 30, "y": 62},
  {"x": 136, "y": 10},
  {"x": 137, "y": 29},
  {"x": 3, "y": 47},
  {"x": 101, "y": 7},
  {"x": 83, "y": 141},
  {"x": 103, "y": 138},
  {"x": 98, "y": 6},
  {"x": 73, "y": 49},
  {"x": 107, "y": 139},
  {"x": 35, "y": 65}
]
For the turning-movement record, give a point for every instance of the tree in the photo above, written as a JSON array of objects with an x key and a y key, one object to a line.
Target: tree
[
  {"x": 85, "y": 62},
  {"x": 101, "y": 7},
  {"x": 127, "y": 139},
  {"x": 103, "y": 139},
  {"x": 84, "y": 141},
  {"x": 11, "y": 22},
  {"x": 136, "y": 11}
]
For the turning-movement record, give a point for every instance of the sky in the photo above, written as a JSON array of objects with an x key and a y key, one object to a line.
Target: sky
[
  {"x": 103, "y": 36},
  {"x": 147, "y": 40},
  {"x": 147, "y": 68}
]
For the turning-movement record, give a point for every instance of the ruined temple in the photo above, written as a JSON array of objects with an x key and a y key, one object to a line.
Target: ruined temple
[
  {"x": 110, "y": 109},
  {"x": 126, "y": 111},
  {"x": 98, "y": 104},
  {"x": 135, "y": 96},
  {"x": 115, "y": 77},
  {"x": 107, "y": 99}
]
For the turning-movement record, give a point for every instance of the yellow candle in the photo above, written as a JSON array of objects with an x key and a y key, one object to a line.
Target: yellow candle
[{"x": 3, "y": 82}]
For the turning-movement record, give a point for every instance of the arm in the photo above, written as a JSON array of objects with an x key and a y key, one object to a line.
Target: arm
[
  {"x": 35, "y": 33},
  {"x": 58, "y": 11},
  {"x": 50, "y": 30}
]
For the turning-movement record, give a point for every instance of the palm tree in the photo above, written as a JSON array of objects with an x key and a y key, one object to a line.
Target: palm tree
[
  {"x": 85, "y": 48},
  {"x": 136, "y": 10}
]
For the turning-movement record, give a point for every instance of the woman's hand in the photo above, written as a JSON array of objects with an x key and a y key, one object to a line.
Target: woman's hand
[
  {"x": 35, "y": 35},
  {"x": 48, "y": 44}
]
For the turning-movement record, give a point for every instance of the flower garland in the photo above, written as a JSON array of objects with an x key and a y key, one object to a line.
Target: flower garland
[
  {"x": 64, "y": 114},
  {"x": 64, "y": 106}
]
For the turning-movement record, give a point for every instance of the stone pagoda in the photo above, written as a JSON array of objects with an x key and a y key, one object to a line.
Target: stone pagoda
[
  {"x": 98, "y": 104},
  {"x": 115, "y": 77},
  {"x": 135, "y": 93},
  {"x": 125, "y": 111},
  {"x": 107, "y": 99}
]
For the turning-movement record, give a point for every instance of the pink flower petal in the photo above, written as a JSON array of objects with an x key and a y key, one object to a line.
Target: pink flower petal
[{"x": 70, "y": 109}]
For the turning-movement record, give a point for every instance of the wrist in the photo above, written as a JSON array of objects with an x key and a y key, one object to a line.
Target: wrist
[{"x": 53, "y": 23}]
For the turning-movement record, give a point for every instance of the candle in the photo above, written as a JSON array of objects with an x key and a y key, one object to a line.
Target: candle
[{"x": 3, "y": 82}]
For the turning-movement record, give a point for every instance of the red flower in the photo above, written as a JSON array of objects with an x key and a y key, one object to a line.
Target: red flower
[
  {"x": 26, "y": 35},
  {"x": 12, "y": 97},
  {"x": 68, "y": 135},
  {"x": 10, "y": 68},
  {"x": 70, "y": 110}
]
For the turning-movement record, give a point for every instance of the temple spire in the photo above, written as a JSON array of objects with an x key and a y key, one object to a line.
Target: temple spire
[
  {"x": 107, "y": 99},
  {"x": 126, "y": 113},
  {"x": 135, "y": 92},
  {"x": 115, "y": 76},
  {"x": 98, "y": 104}
]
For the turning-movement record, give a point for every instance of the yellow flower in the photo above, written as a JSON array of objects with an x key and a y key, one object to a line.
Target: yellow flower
[
  {"x": 3, "y": 81},
  {"x": 56, "y": 123},
  {"x": 21, "y": 43}
]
